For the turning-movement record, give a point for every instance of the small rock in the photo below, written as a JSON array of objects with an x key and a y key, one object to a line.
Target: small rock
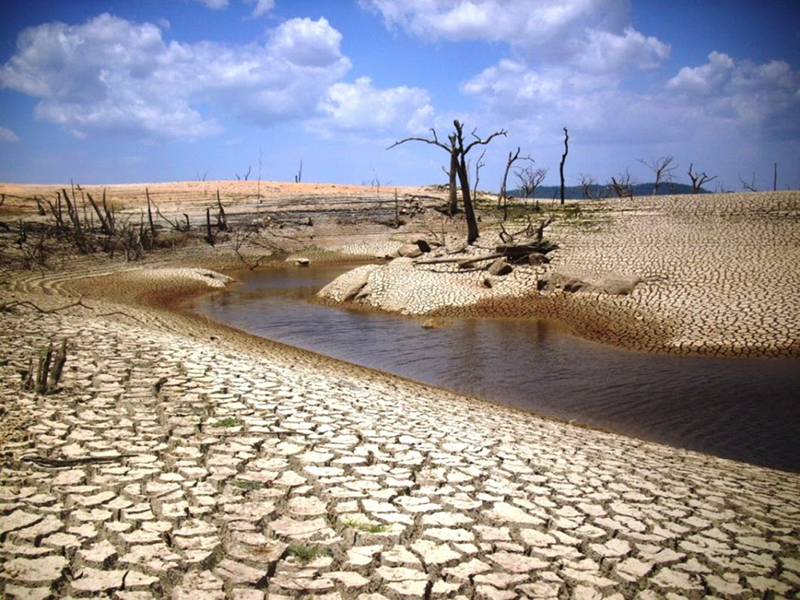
[
  {"x": 429, "y": 324},
  {"x": 500, "y": 267},
  {"x": 410, "y": 250},
  {"x": 537, "y": 258},
  {"x": 423, "y": 245}
]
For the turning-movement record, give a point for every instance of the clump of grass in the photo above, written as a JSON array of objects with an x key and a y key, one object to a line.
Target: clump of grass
[
  {"x": 247, "y": 485},
  {"x": 305, "y": 554},
  {"x": 227, "y": 422},
  {"x": 366, "y": 527}
]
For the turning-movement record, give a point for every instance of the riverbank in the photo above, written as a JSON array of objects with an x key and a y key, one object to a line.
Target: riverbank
[
  {"x": 180, "y": 458},
  {"x": 715, "y": 276}
]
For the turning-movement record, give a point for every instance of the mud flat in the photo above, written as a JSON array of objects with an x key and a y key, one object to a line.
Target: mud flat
[
  {"x": 181, "y": 459},
  {"x": 717, "y": 275}
]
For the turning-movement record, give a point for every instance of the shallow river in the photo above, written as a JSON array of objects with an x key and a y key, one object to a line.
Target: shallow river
[{"x": 748, "y": 410}]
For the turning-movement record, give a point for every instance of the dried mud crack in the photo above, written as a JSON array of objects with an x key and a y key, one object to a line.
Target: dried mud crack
[
  {"x": 173, "y": 465},
  {"x": 181, "y": 459}
]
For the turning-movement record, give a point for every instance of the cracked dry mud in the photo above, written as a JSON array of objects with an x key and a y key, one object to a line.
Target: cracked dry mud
[
  {"x": 196, "y": 468},
  {"x": 718, "y": 276}
]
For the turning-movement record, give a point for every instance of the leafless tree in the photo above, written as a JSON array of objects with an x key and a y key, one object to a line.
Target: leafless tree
[
  {"x": 698, "y": 179},
  {"x": 512, "y": 158},
  {"x": 749, "y": 186},
  {"x": 246, "y": 175},
  {"x": 198, "y": 177},
  {"x": 458, "y": 152},
  {"x": 622, "y": 184},
  {"x": 563, "y": 160},
  {"x": 662, "y": 168},
  {"x": 260, "y": 160},
  {"x": 479, "y": 164},
  {"x": 299, "y": 177},
  {"x": 530, "y": 179},
  {"x": 588, "y": 183}
]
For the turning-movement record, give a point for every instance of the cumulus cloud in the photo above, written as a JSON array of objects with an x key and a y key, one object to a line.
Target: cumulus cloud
[
  {"x": 110, "y": 75},
  {"x": 589, "y": 34},
  {"x": 6, "y": 135},
  {"x": 262, "y": 6},
  {"x": 765, "y": 97},
  {"x": 362, "y": 107},
  {"x": 566, "y": 58}
]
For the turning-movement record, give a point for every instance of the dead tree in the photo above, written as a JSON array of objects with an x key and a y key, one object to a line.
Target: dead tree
[
  {"x": 222, "y": 220},
  {"x": 749, "y": 186},
  {"x": 452, "y": 191},
  {"x": 563, "y": 160},
  {"x": 530, "y": 179},
  {"x": 246, "y": 175},
  {"x": 210, "y": 238},
  {"x": 588, "y": 183},
  {"x": 662, "y": 169},
  {"x": 502, "y": 198},
  {"x": 698, "y": 179},
  {"x": 479, "y": 164},
  {"x": 150, "y": 215},
  {"x": 45, "y": 377},
  {"x": 458, "y": 152},
  {"x": 299, "y": 177},
  {"x": 105, "y": 226},
  {"x": 622, "y": 184}
]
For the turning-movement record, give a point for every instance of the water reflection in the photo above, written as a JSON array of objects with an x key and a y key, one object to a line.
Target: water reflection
[{"x": 742, "y": 409}]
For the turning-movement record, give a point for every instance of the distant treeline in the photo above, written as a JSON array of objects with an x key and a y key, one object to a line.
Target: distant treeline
[{"x": 575, "y": 192}]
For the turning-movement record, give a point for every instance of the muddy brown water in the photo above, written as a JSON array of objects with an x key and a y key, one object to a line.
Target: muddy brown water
[{"x": 745, "y": 409}]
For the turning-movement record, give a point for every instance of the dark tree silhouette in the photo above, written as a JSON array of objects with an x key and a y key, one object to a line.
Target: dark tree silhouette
[
  {"x": 698, "y": 179},
  {"x": 662, "y": 169},
  {"x": 563, "y": 160},
  {"x": 458, "y": 152}
]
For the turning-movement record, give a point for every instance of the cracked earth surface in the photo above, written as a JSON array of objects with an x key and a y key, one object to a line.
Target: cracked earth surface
[{"x": 172, "y": 465}]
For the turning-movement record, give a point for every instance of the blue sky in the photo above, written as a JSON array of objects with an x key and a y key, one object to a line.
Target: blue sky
[{"x": 108, "y": 91}]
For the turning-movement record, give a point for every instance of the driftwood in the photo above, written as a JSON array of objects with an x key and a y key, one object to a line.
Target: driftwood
[{"x": 56, "y": 463}]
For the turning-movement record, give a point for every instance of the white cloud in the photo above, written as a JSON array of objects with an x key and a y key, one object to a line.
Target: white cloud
[
  {"x": 262, "y": 6},
  {"x": 566, "y": 57},
  {"x": 705, "y": 79},
  {"x": 6, "y": 135},
  {"x": 763, "y": 98},
  {"x": 215, "y": 4},
  {"x": 609, "y": 52},
  {"x": 362, "y": 107},
  {"x": 589, "y": 34},
  {"x": 307, "y": 43},
  {"x": 110, "y": 75}
]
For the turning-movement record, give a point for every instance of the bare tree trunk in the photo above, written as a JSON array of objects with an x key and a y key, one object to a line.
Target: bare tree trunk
[
  {"x": 563, "y": 160},
  {"x": 502, "y": 195},
  {"x": 103, "y": 223},
  {"x": 463, "y": 177},
  {"x": 43, "y": 367},
  {"x": 453, "y": 189},
  {"x": 775, "y": 178},
  {"x": 222, "y": 220},
  {"x": 209, "y": 234},
  {"x": 150, "y": 214},
  {"x": 58, "y": 366}
]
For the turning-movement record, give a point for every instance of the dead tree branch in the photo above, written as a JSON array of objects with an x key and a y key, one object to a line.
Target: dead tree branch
[
  {"x": 662, "y": 169},
  {"x": 698, "y": 179}
]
